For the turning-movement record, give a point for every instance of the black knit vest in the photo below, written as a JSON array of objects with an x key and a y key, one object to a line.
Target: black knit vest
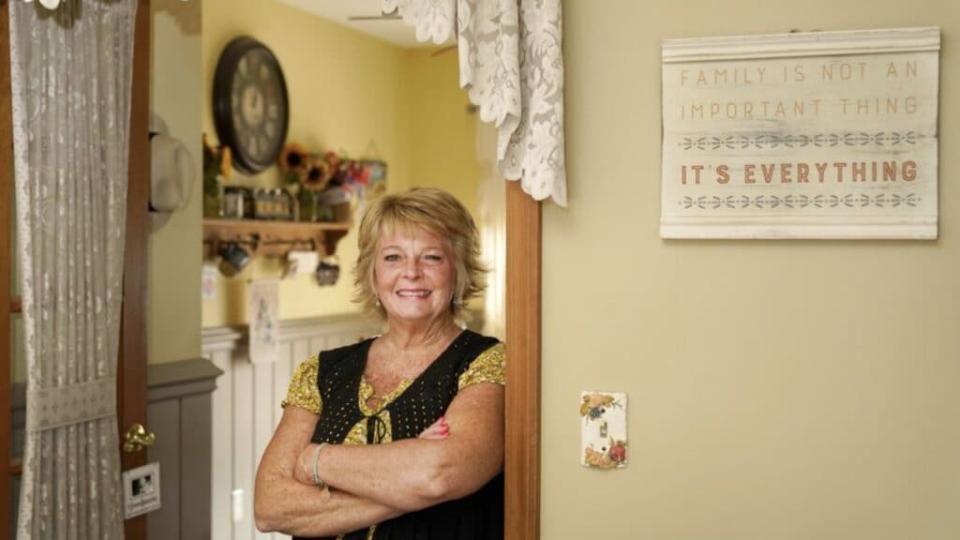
[{"x": 476, "y": 517}]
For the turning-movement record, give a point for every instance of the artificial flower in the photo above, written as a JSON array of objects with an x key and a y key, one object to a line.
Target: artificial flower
[
  {"x": 293, "y": 159},
  {"x": 333, "y": 159},
  {"x": 217, "y": 166},
  {"x": 226, "y": 162},
  {"x": 317, "y": 174}
]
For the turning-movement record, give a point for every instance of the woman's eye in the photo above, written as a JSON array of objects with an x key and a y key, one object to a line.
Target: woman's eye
[
  {"x": 392, "y": 257},
  {"x": 434, "y": 258}
]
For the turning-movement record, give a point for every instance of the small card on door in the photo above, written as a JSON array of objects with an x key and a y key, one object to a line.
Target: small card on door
[{"x": 141, "y": 490}]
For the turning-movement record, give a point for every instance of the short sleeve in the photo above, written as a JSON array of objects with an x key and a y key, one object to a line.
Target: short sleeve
[
  {"x": 303, "y": 391},
  {"x": 489, "y": 367}
]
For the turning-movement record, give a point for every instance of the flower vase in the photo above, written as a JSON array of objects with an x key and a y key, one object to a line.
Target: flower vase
[{"x": 307, "y": 201}]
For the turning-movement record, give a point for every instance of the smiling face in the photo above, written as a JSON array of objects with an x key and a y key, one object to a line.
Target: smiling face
[{"x": 414, "y": 275}]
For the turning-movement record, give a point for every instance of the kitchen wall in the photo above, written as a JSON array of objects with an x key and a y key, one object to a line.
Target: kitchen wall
[
  {"x": 777, "y": 390},
  {"x": 173, "y": 276},
  {"x": 353, "y": 93}
]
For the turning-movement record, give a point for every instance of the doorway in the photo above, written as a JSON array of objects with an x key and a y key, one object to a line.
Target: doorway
[
  {"x": 522, "y": 312},
  {"x": 327, "y": 70}
]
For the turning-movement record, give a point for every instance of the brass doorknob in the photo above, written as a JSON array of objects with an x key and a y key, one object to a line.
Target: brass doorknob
[{"x": 136, "y": 438}]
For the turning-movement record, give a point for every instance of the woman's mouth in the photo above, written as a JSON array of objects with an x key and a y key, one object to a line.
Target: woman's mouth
[{"x": 413, "y": 293}]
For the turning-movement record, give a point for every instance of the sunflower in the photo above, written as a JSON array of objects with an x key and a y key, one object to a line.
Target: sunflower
[
  {"x": 293, "y": 159},
  {"x": 209, "y": 154},
  {"x": 332, "y": 158},
  {"x": 217, "y": 165},
  {"x": 317, "y": 174},
  {"x": 226, "y": 163}
]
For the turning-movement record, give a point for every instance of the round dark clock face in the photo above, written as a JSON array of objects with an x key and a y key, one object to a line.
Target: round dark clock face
[{"x": 250, "y": 106}]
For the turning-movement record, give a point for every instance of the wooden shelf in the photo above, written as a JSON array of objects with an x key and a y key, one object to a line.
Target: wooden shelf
[{"x": 273, "y": 238}]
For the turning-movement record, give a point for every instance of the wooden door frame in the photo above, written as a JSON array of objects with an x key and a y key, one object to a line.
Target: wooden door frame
[
  {"x": 522, "y": 451},
  {"x": 6, "y": 304},
  {"x": 132, "y": 361}
]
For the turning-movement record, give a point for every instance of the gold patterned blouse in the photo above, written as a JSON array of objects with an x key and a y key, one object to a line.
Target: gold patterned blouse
[{"x": 488, "y": 367}]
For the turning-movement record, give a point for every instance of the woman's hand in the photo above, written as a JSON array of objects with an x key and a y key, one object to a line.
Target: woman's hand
[
  {"x": 451, "y": 459},
  {"x": 437, "y": 430}
]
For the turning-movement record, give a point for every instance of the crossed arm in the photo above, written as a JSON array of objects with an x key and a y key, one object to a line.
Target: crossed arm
[
  {"x": 283, "y": 504},
  {"x": 371, "y": 484}
]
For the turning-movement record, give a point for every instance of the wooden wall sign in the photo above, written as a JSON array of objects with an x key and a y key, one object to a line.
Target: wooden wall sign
[{"x": 803, "y": 135}]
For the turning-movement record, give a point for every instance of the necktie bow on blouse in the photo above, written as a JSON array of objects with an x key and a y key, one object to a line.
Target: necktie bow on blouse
[{"x": 376, "y": 429}]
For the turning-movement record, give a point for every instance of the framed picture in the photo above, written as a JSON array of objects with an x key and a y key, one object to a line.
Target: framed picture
[{"x": 802, "y": 135}]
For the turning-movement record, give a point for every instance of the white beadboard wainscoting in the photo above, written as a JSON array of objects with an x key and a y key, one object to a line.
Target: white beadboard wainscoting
[{"x": 246, "y": 408}]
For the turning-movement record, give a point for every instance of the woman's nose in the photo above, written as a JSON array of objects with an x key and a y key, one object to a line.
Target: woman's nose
[{"x": 411, "y": 268}]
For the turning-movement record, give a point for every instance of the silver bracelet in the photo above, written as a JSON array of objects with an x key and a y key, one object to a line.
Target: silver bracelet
[{"x": 317, "y": 481}]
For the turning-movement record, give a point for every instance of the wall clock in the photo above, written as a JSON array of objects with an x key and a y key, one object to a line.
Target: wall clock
[{"x": 250, "y": 105}]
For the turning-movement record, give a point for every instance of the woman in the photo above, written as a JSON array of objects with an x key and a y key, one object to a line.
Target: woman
[{"x": 400, "y": 436}]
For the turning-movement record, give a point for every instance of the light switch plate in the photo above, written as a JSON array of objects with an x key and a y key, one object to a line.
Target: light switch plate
[
  {"x": 141, "y": 490},
  {"x": 603, "y": 430}
]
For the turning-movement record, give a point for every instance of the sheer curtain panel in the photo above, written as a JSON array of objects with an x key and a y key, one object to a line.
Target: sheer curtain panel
[
  {"x": 511, "y": 64},
  {"x": 71, "y": 71}
]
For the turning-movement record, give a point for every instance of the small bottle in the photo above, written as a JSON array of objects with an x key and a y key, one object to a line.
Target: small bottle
[
  {"x": 286, "y": 205},
  {"x": 261, "y": 203}
]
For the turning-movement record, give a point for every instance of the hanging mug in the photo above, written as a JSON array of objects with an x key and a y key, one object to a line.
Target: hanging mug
[
  {"x": 328, "y": 271},
  {"x": 233, "y": 258}
]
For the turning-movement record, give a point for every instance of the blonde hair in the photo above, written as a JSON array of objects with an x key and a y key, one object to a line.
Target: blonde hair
[{"x": 429, "y": 209}]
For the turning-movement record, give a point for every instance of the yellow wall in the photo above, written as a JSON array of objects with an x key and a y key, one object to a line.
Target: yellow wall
[
  {"x": 173, "y": 316},
  {"x": 343, "y": 89},
  {"x": 777, "y": 390},
  {"x": 439, "y": 130},
  {"x": 349, "y": 92}
]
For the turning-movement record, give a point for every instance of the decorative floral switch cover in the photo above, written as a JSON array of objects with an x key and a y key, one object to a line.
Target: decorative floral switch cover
[{"x": 603, "y": 428}]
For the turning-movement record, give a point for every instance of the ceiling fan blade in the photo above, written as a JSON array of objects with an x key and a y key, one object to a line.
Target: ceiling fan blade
[
  {"x": 388, "y": 17},
  {"x": 443, "y": 50}
]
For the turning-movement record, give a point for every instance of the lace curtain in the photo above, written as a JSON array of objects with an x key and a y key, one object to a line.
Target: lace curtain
[
  {"x": 511, "y": 63},
  {"x": 49, "y": 4},
  {"x": 71, "y": 82}
]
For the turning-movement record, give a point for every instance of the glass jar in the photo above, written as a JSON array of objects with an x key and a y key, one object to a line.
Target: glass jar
[
  {"x": 281, "y": 204},
  {"x": 232, "y": 203},
  {"x": 261, "y": 204}
]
